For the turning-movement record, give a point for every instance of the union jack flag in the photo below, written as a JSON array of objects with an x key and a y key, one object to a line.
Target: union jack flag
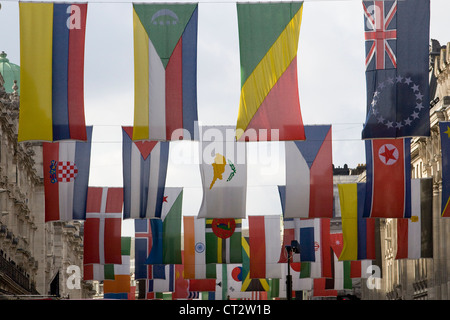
[{"x": 380, "y": 34}]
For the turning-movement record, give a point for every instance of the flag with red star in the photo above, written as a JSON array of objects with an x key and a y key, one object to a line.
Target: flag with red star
[{"x": 388, "y": 186}]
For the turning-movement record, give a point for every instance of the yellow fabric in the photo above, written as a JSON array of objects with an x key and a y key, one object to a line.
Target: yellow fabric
[
  {"x": 348, "y": 197},
  {"x": 141, "y": 80},
  {"x": 267, "y": 73},
  {"x": 36, "y": 40}
]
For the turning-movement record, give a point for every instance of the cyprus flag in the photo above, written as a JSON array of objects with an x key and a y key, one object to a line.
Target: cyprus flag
[{"x": 223, "y": 168}]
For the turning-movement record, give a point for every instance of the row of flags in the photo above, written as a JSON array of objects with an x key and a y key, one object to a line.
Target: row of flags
[
  {"x": 52, "y": 39},
  {"x": 165, "y": 57}
]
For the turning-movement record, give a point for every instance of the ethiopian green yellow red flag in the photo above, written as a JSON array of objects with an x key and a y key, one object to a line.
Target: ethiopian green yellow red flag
[{"x": 269, "y": 107}]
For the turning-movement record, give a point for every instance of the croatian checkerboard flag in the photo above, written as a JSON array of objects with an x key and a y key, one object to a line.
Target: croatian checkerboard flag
[
  {"x": 397, "y": 48},
  {"x": 66, "y": 177},
  {"x": 103, "y": 226},
  {"x": 388, "y": 184}
]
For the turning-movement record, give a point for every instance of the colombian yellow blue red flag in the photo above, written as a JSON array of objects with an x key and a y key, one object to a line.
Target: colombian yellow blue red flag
[{"x": 52, "y": 37}]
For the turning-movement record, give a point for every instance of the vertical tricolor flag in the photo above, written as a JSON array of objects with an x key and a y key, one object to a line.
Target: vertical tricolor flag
[
  {"x": 388, "y": 182},
  {"x": 195, "y": 266},
  {"x": 144, "y": 176},
  {"x": 165, "y": 283},
  {"x": 265, "y": 242},
  {"x": 223, "y": 170},
  {"x": 268, "y": 44},
  {"x": 309, "y": 175},
  {"x": 66, "y": 176},
  {"x": 52, "y": 71},
  {"x": 415, "y": 235},
  {"x": 142, "y": 247},
  {"x": 165, "y": 60},
  {"x": 223, "y": 240},
  {"x": 444, "y": 129},
  {"x": 397, "y": 43},
  {"x": 358, "y": 232},
  {"x": 166, "y": 232},
  {"x": 103, "y": 226}
]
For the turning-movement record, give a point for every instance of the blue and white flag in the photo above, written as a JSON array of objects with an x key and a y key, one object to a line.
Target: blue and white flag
[{"x": 144, "y": 176}]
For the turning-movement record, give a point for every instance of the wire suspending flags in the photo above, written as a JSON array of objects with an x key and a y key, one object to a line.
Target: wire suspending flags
[
  {"x": 397, "y": 68},
  {"x": 165, "y": 59},
  {"x": 52, "y": 37},
  {"x": 268, "y": 43}
]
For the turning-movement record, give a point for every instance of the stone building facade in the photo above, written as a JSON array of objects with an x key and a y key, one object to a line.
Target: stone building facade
[{"x": 34, "y": 255}]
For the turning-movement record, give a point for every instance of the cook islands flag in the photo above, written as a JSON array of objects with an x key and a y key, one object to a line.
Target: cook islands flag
[
  {"x": 397, "y": 68},
  {"x": 165, "y": 60}
]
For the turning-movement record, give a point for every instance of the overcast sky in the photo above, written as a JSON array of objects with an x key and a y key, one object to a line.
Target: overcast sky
[{"x": 330, "y": 70}]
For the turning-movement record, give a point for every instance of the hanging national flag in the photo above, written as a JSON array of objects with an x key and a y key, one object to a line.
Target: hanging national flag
[
  {"x": 203, "y": 284},
  {"x": 142, "y": 246},
  {"x": 444, "y": 129},
  {"x": 415, "y": 235},
  {"x": 103, "y": 226},
  {"x": 195, "y": 266},
  {"x": 320, "y": 288},
  {"x": 397, "y": 66},
  {"x": 165, "y": 70},
  {"x": 268, "y": 42},
  {"x": 388, "y": 182},
  {"x": 358, "y": 232},
  {"x": 342, "y": 269},
  {"x": 265, "y": 242},
  {"x": 166, "y": 284},
  {"x": 248, "y": 283},
  {"x": 52, "y": 71},
  {"x": 144, "y": 176},
  {"x": 223, "y": 169},
  {"x": 309, "y": 175},
  {"x": 223, "y": 240},
  {"x": 121, "y": 284},
  {"x": 66, "y": 177},
  {"x": 166, "y": 232},
  {"x": 181, "y": 284}
]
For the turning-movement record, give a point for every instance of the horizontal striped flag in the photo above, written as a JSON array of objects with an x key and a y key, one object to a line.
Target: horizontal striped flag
[
  {"x": 103, "y": 226},
  {"x": 165, "y": 70},
  {"x": 388, "y": 181},
  {"x": 52, "y": 39},
  {"x": 358, "y": 232},
  {"x": 309, "y": 175},
  {"x": 66, "y": 177},
  {"x": 120, "y": 284},
  {"x": 144, "y": 176},
  {"x": 415, "y": 235},
  {"x": 268, "y": 43},
  {"x": 444, "y": 129},
  {"x": 264, "y": 242},
  {"x": 195, "y": 266}
]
